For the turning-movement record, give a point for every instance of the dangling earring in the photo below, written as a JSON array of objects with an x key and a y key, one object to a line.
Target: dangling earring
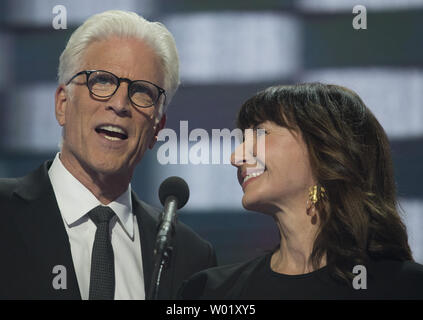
[{"x": 316, "y": 193}]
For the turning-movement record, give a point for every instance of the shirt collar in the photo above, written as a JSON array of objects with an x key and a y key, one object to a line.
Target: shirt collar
[{"x": 75, "y": 200}]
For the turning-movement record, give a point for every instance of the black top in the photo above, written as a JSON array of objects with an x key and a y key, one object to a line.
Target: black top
[{"x": 254, "y": 279}]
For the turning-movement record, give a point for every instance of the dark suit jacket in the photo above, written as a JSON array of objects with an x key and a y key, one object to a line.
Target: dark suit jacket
[{"x": 33, "y": 240}]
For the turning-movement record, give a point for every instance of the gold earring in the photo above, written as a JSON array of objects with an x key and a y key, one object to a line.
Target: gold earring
[{"x": 316, "y": 193}]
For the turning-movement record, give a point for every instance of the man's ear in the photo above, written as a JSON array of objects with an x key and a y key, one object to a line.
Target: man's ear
[
  {"x": 159, "y": 127},
  {"x": 61, "y": 102}
]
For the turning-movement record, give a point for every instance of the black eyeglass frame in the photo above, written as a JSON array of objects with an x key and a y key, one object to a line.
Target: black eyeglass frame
[{"x": 129, "y": 81}]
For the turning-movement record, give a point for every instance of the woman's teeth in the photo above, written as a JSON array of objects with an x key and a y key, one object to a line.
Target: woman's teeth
[{"x": 252, "y": 175}]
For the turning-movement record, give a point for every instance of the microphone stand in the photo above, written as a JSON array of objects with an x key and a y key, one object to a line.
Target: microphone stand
[
  {"x": 161, "y": 261},
  {"x": 163, "y": 250}
]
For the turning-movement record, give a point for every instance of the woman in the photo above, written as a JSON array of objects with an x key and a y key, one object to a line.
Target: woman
[{"x": 328, "y": 182}]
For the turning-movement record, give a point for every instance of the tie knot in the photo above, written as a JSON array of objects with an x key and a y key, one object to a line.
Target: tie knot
[{"x": 101, "y": 214}]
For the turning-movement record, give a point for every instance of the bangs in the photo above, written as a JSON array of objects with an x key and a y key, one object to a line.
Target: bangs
[{"x": 266, "y": 106}]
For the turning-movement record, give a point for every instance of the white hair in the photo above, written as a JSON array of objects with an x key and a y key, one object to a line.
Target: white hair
[{"x": 123, "y": 24}]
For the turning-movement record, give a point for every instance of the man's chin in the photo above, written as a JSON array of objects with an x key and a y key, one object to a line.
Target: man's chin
[{"x": 109, "y": 169}]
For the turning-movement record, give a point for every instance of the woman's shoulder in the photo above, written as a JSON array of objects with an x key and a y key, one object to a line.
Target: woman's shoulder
[
  {"x": 398, "y": 279},
  {"x": 220, "y": 282},
  {"x": 407, "y": 268}
]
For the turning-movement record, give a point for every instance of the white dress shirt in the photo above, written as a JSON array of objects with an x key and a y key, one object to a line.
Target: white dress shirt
[{"x": 75, "y": 201}]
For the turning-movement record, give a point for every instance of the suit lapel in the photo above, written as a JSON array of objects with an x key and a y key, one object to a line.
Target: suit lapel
[
  {"x": 43, "y": 230},
  {"x": 147, "y": 226}
]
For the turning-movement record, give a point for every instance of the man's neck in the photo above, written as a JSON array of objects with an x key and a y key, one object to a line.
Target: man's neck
[{"x": 105, "y": 187}]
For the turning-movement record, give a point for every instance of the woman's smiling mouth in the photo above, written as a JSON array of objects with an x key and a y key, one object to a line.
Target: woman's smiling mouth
[{"x": 248, "y": 178}]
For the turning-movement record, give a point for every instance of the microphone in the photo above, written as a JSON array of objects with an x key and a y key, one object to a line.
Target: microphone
[{"x": 173, "y": 194}]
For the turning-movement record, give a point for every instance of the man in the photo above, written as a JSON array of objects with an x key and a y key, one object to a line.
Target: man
[{"x": 73, "y": 228}]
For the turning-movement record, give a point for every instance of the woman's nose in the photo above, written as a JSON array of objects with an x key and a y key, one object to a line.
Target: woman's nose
[
  {"x": 244, "y": 153},
  {"x": 237, "y": 157}
]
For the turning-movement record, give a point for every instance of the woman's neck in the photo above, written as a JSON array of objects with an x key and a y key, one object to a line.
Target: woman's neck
[{"x": 298, "y": 231}]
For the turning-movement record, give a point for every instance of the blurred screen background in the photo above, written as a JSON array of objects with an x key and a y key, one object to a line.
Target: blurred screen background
[{"x": 228, "y": 50}]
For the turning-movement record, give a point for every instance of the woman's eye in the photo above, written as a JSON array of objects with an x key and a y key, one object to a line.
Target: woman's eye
[
  {"x": 253, "y": 133},
  {"x": 261, "y": 132}
]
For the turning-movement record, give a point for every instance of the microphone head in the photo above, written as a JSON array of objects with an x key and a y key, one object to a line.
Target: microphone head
[{"x": 174, "y": 186}]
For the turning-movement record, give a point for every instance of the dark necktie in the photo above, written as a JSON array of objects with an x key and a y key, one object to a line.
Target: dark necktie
[{"x": 102, "y": 277}]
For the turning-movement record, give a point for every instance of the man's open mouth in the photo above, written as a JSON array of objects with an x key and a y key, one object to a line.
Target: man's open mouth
[{"x": 112, "y": 133}]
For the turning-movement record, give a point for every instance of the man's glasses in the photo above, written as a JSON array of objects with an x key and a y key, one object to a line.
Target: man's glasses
[{"x": 104, "y": 84}]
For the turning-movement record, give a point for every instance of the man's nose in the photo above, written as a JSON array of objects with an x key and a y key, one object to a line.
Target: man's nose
[{"x": 120, "y": 102}]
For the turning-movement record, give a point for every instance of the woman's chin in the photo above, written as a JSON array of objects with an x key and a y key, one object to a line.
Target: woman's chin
[
  {"x": 258, "y": 205},
  {"x": 252, "y": 204}
]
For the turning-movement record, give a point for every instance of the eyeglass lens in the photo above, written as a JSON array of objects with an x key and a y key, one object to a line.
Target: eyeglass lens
[{"x": 104, "y": 84}]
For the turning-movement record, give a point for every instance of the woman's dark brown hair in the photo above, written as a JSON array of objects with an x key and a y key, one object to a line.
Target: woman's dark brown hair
[{"x": 350, "y": 157}]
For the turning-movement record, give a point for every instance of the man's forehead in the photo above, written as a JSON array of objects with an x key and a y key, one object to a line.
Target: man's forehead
[
  {"x": 114, "y": 48},
  {"x": 126, "y": 57}
]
